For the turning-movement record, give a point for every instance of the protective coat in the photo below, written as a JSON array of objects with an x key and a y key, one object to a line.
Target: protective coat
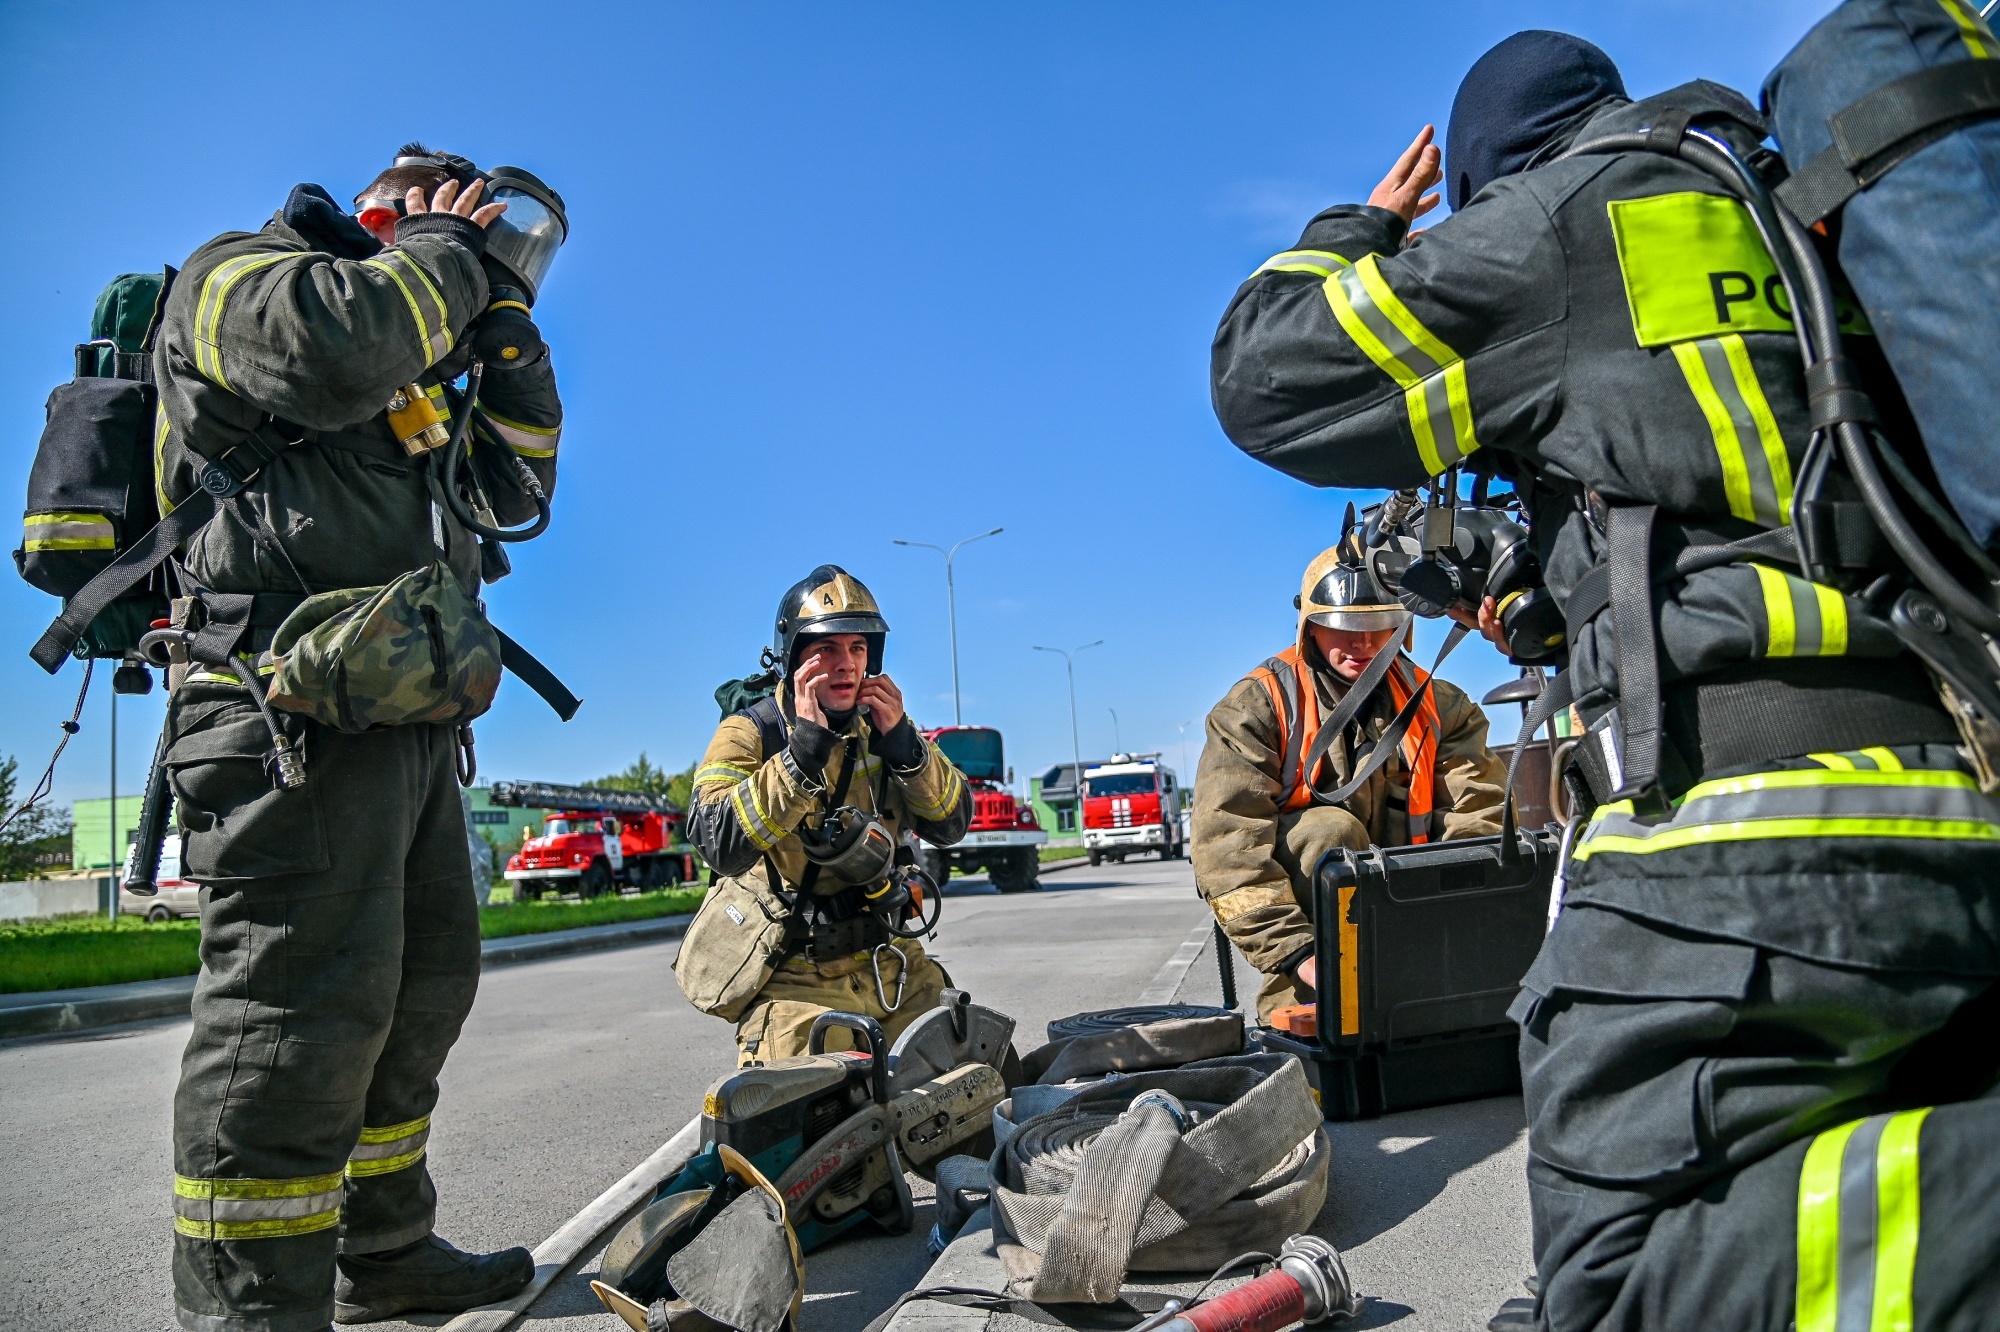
[{"x": 1239, "y": 853}]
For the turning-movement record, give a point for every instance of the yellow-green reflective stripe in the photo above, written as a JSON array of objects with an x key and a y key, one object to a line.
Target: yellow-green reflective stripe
[
  {"x": 66, "y": 531},
  {"x": 1431, "y": 374},
  {"x": 750, "y": 813},
  {"x": 362, "y": 1168},
  {"x": 424, "y": 336},
  {"x": 408, "y": 1129},
  {"x": 1728, "y": 450},
  {"x": 1794, "y": 778},
  {"x": 1884, "y": 759},
  {"x": 1978, "y": 38},
  {"x": 526, "y": 440},
  {"x": 1772, "y": 444},
  {"x": 1755, "y": 830},
  {"x": 720, "y": 772},
  {"x": 1802, "y": 619},
  {"x": 186, "y": 1187},
  {"x": 1897, "y": 1216},
  {"x": 160, "y": 427},
  {"x": 244, "y": 1230},
  {"x": 1780, "y": 628},
  {"x": 1838, "y": 762},
  {"x": 208, "y": 311},
  {"x": 1321, "y": 263},
  {"x": 1817, "y": 1307},
  {"x": 437, "y": 299}
]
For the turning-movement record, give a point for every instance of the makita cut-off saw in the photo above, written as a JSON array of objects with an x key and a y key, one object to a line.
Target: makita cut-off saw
[{"x": 832, "y": 1133}]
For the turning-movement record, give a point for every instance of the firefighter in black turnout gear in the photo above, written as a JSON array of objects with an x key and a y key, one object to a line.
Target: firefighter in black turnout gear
[
  {"x": 1754, "y": 1045},
  {"x": 340, "y": 934}
]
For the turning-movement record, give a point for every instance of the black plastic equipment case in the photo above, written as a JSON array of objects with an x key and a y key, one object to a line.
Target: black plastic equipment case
[{"x": 1420, "y": 951}]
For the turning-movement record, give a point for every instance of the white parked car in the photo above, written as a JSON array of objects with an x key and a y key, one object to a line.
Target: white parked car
[{"x": 177, "y": 896}]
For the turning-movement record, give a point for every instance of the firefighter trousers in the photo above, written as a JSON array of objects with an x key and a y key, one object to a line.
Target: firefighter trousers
[
  {"x": 780, "y": 1018},
  {"x": 340, "y": 956},
  {"x": 1722, "y": 1135},
  {"x": 1304, "y": 839}
]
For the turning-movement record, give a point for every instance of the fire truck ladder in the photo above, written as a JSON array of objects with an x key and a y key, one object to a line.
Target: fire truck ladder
[{"x": 554, "y": 795}]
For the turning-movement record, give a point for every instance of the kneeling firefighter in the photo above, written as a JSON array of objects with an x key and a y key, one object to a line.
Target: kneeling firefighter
[
  {"x": 330, "y": 505},
  {"x": 800, "y": 804},
  {"x": 1756, "y": 1048},
  {"x": 1304, "y": 756}
]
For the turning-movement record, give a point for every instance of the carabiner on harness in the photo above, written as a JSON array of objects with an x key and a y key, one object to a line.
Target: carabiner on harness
[{"x": 902, "y": 975}]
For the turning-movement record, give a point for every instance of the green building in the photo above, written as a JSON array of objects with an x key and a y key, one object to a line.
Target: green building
[{"x": 90, "y": 843}]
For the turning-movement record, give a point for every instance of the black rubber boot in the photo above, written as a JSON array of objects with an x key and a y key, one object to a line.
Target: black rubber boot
[{"x": 428, "y": 1276}]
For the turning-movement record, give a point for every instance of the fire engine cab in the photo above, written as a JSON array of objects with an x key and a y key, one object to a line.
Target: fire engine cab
[
  {"x": 596, "y": 840},
  {"x": 1131, "y": 804},
  {"x": 1004, "y": 839}
]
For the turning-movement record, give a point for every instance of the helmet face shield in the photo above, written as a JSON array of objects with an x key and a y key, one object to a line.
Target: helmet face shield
[{"x": 525, "y": 238}]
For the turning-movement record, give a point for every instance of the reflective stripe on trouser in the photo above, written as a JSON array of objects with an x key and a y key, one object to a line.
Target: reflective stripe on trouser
[
  {"x": 1859, "y": 1215},
  {"x": 383, "y": 1150},
  {"x": 336, "y": 972},
  {"x": 1803, "y": 802},
  {"x": 256, "y": 1208}
]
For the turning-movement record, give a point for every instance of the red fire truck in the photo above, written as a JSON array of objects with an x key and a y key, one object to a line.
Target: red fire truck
[
  {"x": 1131, "y": 804},
  {"x": 1004, "y": 840},
  {"x": 596, "y": 840}
]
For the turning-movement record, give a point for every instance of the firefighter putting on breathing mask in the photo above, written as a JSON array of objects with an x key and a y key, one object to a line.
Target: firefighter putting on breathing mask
[
  {"x": 800, "y": 806},
  {"x": 1282, "y": 776}
]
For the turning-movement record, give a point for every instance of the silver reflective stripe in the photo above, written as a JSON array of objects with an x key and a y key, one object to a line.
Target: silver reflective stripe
[
  {"x": 257, "y": 1209},
  {"x": 1815, "y": 802},
  {"x": 529, "y": 442},
  {"x": 1766, "y": 503},
  {"x": 1857, "y": 1227}
]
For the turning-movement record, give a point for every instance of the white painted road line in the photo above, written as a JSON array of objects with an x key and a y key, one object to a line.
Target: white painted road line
[
  {"x": 575, "y": 1236},
  {"x": 1168, "y": 980}
]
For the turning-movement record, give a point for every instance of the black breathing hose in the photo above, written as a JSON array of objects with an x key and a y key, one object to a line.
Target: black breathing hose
[
  {"x": 452, "y": 456},
  {"x": 1816, "y": 321}
]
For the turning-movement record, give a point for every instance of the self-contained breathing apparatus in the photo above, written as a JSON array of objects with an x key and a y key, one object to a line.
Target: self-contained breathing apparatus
[
  {"x": 1863, "y": 520},
  {"x": 94, "y": 535}
]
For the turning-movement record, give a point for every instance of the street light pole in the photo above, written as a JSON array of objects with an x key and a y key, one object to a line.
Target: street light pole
[
  {"x": 1185, "y": 778},
  {"x": 1075, "y": 749},
  {"x": 1117, "y": 735},
  {"x": 951, "y": 606}
]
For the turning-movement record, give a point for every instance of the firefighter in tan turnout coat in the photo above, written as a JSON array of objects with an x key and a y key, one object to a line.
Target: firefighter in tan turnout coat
[
  {"x": 785, "y": 935},
  {"x": 1262, "y": 822}
]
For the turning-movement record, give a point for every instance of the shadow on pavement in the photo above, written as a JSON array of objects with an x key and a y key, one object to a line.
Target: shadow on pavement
[{"x": 1386, "y": 1170}]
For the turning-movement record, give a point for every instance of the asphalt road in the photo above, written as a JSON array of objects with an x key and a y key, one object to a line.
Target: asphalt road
[{"x": 572, "y": 1070}]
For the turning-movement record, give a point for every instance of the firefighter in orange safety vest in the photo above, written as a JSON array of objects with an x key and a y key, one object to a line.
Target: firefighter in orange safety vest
[{"x": 1270, "y": 802}]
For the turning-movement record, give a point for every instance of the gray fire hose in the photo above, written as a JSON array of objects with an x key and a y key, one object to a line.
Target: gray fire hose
[
  {"x": 1127, "y": 1040},
  {"x": 1172, "y": 1170}
]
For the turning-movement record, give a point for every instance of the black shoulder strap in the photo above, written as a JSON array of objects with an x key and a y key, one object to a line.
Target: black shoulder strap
[
  {"x": 1330, "y": 729},
  {"x": 1629, "y": 569},
  {"x": 1391, "y": 740},
  {"x": 772, "y": 731},
  {"x": 1885, "y": 127},
  {"x": 115, "y": 579},
  {"x": 541, "y": 679}
]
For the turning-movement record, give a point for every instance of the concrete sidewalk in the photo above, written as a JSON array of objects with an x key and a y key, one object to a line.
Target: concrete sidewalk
[{"x": 43, "y": 1012}]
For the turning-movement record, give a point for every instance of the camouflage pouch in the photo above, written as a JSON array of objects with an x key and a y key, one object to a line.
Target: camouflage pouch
[{"x": 417, "y": 650}]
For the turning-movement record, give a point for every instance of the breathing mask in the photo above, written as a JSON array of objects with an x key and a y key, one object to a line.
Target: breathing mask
[
  {"x": 855, "y": 848},
  {"x": 521, "y": 246},
  {"x": 1437, "y": 557}
]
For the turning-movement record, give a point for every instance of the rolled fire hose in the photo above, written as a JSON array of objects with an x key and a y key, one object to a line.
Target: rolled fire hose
[
  {"x": 1157, "y": 1171},
  {"x": 1127, "y": 1040}
]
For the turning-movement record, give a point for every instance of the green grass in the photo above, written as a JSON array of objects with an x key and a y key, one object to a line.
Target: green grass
[
  {"x": 512, "y": 918},
  {"x": 1062, "y": 853},
  {"x": 66, "y": 951}
]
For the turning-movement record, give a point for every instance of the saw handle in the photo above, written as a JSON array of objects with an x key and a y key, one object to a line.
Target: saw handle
[{"x": 871, "y": 1031}]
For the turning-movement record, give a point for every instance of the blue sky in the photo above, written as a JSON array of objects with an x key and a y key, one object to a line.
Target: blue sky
[{"x": 838, "y": 274}]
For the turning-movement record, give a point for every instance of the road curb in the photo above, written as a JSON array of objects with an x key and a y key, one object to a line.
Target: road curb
[
  {"x": 969, "y": 1261},
  {"x": 62, "y": 1012}
]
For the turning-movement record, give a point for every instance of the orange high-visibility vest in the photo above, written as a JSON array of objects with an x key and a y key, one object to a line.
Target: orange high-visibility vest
[{"x": 1288, "y": 680}]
